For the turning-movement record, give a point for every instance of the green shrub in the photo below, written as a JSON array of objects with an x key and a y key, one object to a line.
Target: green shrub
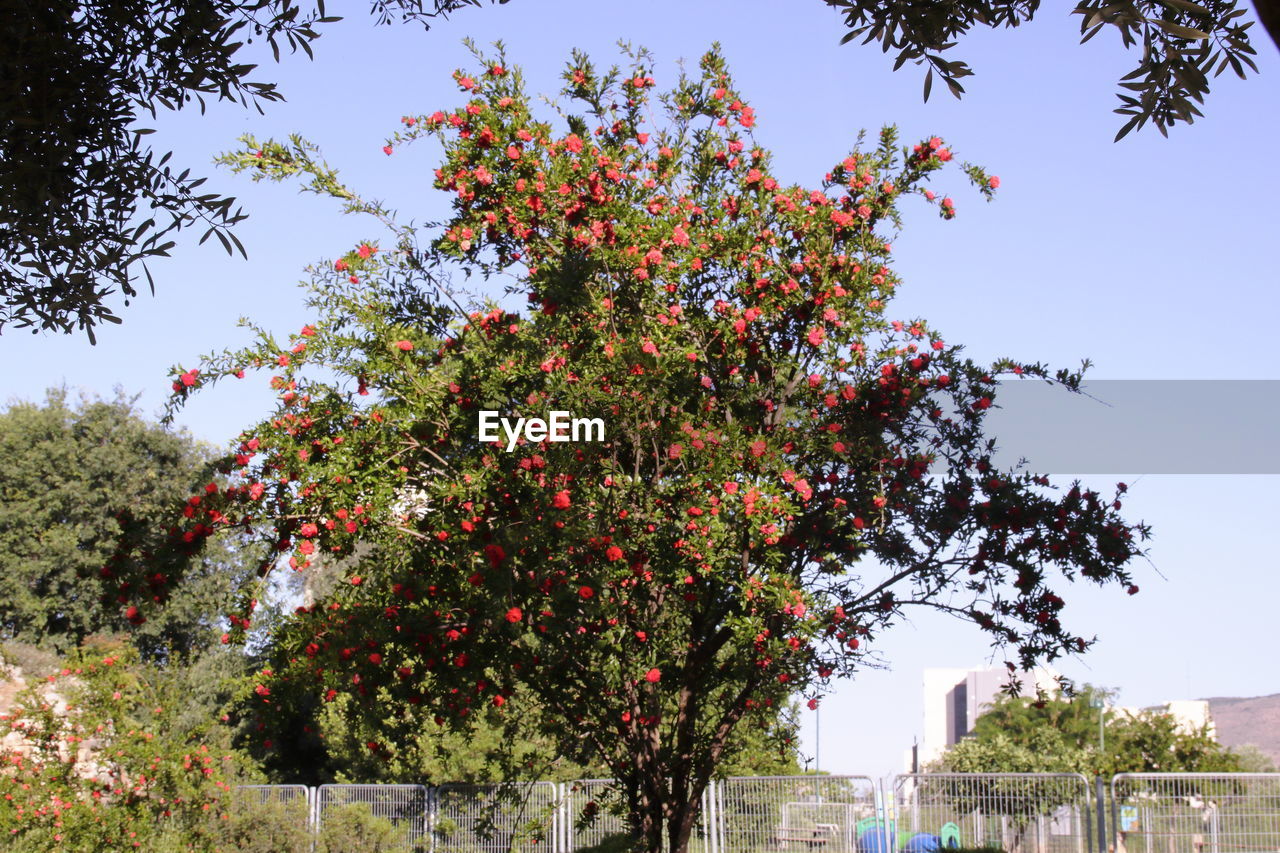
[
  {"x": 255, "y": 827},
  {"x": 351, "y": 828}
]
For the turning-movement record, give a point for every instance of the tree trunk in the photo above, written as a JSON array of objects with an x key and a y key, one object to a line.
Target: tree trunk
[
  {"x": 680, "y": 826},
  {"x": 664, "y": 820}
]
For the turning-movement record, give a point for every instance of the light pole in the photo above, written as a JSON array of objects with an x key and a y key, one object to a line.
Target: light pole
[{"x": 1099, "y": 703}]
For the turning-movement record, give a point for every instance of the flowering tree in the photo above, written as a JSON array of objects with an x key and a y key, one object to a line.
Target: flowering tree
[{"x": 784, "y": 469}]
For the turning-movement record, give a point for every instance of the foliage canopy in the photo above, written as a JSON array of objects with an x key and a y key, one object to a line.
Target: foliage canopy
[{"x": 86, "y": 202}]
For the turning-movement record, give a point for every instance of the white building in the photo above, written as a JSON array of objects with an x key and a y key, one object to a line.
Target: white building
[{"x": 1191, "y": 715}]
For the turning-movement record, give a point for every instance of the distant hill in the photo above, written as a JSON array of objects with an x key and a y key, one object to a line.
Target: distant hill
[{"x": 1253, "y": 720}]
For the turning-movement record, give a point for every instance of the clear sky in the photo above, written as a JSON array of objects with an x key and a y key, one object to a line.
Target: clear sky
[{"x": 1150, "y": 257}]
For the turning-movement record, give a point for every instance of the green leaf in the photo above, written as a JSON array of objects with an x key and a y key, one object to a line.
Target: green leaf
[
  {"x": 1180, "y": 31},
  {"x": 1128, "y": 126},
  {"x": 1187, "y": 6}
]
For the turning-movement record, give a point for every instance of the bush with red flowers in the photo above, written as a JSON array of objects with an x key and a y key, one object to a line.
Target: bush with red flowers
[
  {"x": 98, "y": 756},
  {"x": 785, "y": 468}
]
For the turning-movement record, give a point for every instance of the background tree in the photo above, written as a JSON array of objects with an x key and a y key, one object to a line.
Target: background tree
[
  {"x": 1059, "y": 734},
  {"x": 84, "y": 199},
  {"x": 785, "y": 469},
  {"x": 76, "y": 475}
]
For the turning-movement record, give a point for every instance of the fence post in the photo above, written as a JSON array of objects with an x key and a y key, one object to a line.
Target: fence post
[
  {"x": 1116, "y": 828},
  {"x": 710, "y": 819},
  {"x": 559, "y": 831},
  {"x": 1100, "y": 797},
  {"x": 430, "y": 818}
]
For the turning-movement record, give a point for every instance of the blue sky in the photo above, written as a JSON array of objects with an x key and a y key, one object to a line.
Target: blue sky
[{"x": 1153, "y": 257}]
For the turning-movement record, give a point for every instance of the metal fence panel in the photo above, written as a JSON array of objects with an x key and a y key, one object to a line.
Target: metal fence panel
[
  {"x": 405, "y": 806},
  {"x": 1195, "y": 812},
  {"x": 293, "y": 798},
  {"x": 594, "y": 811},
  {"x": 275, "y": 793},
  {"x": 1015, "y": 812},
  {"x": 497, "y": 818},
  {"x": 793, "y": 812}
]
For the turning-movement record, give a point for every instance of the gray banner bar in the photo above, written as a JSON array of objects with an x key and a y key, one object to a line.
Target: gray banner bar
[{"x": 1139, "y": 426}]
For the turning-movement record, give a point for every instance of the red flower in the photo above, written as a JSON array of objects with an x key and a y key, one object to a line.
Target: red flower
[
  {"x": 586, "y": 591},
  {"x": 614, "y": 553},
  {"x": 495, "y": 554},
  {"x": 404, "y": 346},
  {"x": 561, "y": 500},
  {"x": 514, "y": 615},
  {"x": 375, "y": 658},
  {"x": 757, "y": 448},
  {"x": 653, "y": 676}
]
